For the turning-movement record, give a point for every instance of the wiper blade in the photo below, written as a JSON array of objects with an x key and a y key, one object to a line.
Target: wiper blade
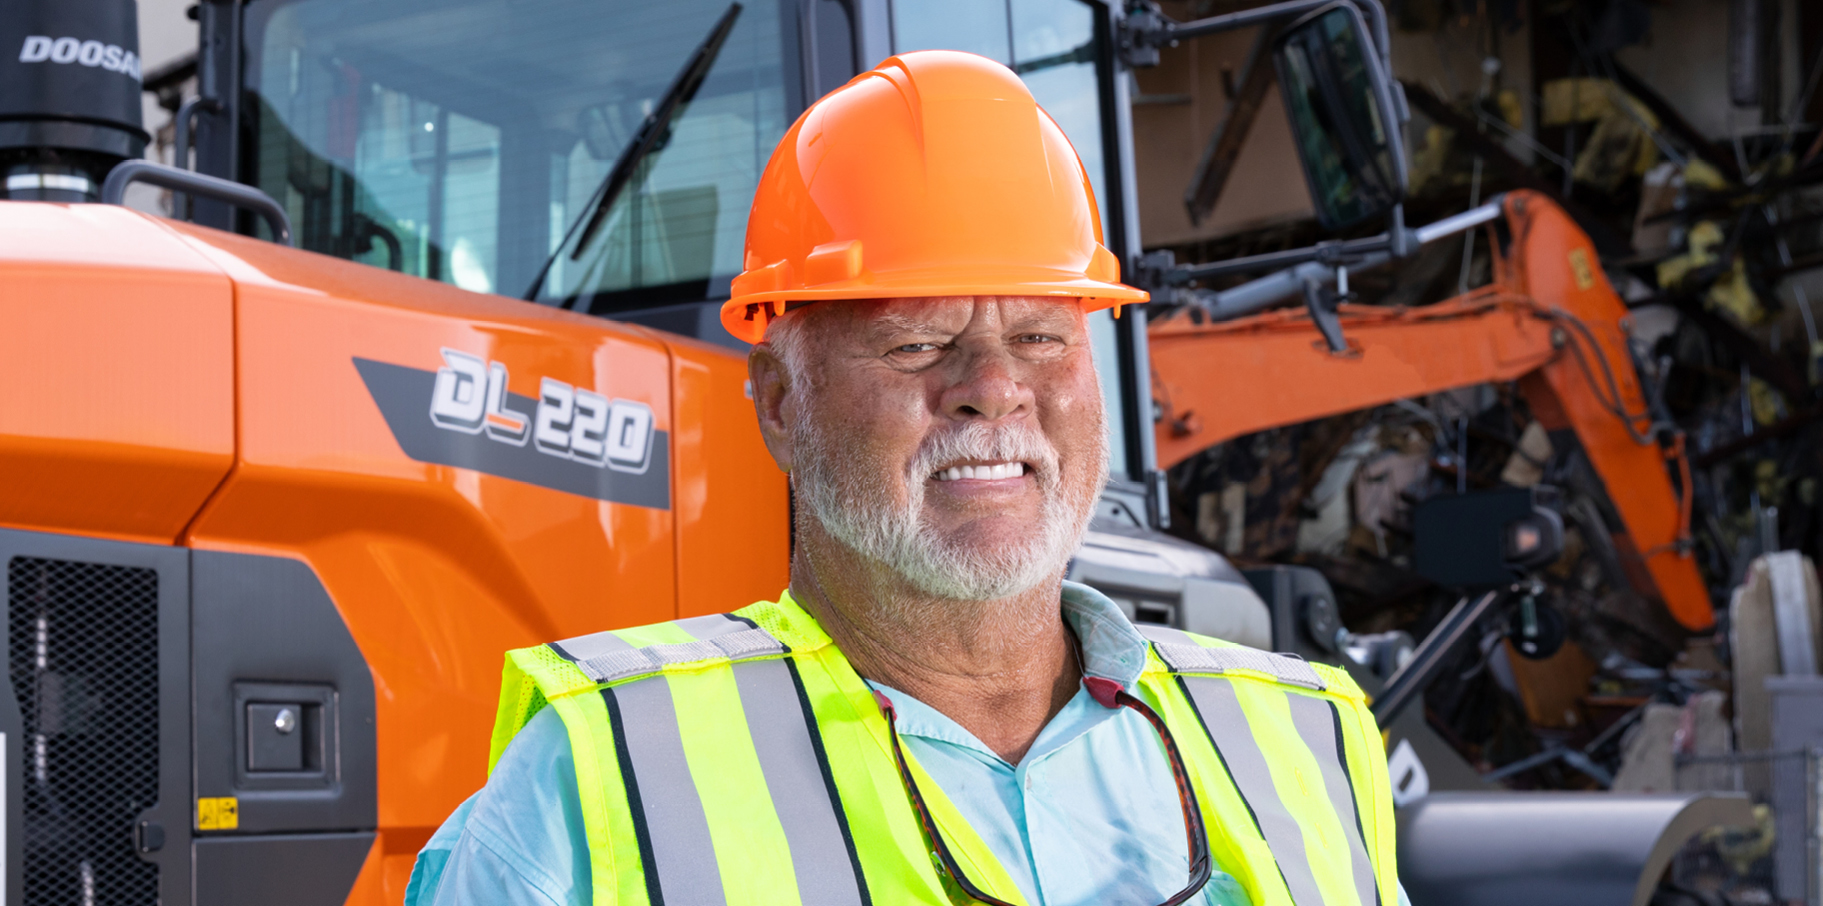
[{"x": 652, "y": 134}]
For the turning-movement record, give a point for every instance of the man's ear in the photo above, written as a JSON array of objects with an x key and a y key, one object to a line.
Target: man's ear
[{"x": 770, "y": 404}]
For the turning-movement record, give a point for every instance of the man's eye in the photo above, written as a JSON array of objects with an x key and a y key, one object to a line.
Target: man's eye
[
  {"x": 1037, "y": 338},
  {"x": 914, "y": 348}
]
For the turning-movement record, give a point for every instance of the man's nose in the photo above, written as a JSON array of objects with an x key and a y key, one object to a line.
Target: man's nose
[{"x": 988, "y": 387}]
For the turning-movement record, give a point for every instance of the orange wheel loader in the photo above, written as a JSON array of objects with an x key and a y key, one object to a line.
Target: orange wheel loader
[{"x": 275, "y": 516}]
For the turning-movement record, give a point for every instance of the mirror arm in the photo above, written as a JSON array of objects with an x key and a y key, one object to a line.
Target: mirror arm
[
  {"x": 1293, "y": 269},
  {"x": 1265, "y": 292},
  {"x": 1329, "y": 252},
  {"x": 1160, "y": 270},
  {"x": 1321, "y": 302},
  {"x": 1493, "y": 209},
  {"x": 1196, "y": 28},
  {"x": 1376, "y": 14},
  {"x": 1146, "y": 29}
]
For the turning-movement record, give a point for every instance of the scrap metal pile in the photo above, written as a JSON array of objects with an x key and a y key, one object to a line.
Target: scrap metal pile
[{"x": 1716, "y": 248}]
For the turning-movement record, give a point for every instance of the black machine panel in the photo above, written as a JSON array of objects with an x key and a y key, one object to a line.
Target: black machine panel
[
  {"x": 279, "y": 869},
  {"x": 70, "y": 77},
  {"x": 108, "y": 706},
  {"x": 279, "y": 681},
  {"x": 1486, "y": 539}
]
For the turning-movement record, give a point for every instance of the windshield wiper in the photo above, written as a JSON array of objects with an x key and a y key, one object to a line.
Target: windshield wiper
[{"x": 651, "y": 135}]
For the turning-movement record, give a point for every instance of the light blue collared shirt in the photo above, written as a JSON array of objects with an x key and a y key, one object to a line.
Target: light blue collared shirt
[{"x": 1090, "y": 816}]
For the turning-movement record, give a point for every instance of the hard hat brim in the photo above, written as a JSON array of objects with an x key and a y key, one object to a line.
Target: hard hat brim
[{"x": 746, "y": 315}]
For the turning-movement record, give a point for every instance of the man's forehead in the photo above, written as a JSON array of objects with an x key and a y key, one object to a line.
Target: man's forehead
[{"x": 953, "y": 313}]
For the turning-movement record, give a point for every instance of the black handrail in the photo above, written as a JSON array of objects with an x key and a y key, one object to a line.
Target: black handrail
[{"x": 132, "y": 171}]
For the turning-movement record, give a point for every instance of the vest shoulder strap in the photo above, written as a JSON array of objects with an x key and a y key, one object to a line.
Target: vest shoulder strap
[
  {"x": 534, "y": 676},
  {"x": 701, "y": 766},
  {"x": 609, "y": 657},
  {"x": 1298, "y": 748},
  {"x": 1189, "y": 653}
]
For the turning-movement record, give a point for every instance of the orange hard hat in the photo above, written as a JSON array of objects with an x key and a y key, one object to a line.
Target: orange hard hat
[{"x": 933, "y": 174}]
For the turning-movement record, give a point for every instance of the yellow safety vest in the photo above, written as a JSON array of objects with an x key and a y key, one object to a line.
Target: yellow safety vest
[{"x": 739, "y": 759}]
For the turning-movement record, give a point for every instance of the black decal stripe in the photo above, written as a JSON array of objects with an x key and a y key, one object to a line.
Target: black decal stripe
[{"x": 403, "y": 397}]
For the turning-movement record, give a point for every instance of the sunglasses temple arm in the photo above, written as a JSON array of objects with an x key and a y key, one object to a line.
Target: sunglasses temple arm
[
  {"x": 938, "y": 846},
  {"x": 1196, "y": 837}
]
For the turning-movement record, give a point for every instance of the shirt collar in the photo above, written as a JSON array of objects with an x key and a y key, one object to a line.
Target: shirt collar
[{"x": 1111, "y": 647}]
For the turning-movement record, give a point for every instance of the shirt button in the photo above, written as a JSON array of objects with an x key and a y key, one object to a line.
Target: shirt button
[{"x": 1029, "y": 780}]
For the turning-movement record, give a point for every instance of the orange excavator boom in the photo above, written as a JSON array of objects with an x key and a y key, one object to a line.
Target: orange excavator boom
[{"x": 1549, "y": 320}]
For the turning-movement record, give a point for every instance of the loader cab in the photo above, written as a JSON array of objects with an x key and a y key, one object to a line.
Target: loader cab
[{"x": 470, "y": 141}]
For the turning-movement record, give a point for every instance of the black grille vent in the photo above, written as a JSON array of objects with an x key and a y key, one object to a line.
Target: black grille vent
[{"x": 84, "y": 655}]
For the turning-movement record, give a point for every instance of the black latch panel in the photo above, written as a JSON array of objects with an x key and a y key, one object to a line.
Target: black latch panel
[
  {"x": 275, "y": 736},
  {"x": 267, "y": 639},
  {"x": 287, "y": 737}
]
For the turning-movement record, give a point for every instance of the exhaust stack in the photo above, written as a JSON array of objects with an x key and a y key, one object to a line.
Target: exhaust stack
[{"x": 69, "y": 97}]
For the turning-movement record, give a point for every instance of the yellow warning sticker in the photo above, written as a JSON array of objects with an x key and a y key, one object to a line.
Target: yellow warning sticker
[
  {"x": 218, "y": 813},
  {"x": 1579, "y": 266}
]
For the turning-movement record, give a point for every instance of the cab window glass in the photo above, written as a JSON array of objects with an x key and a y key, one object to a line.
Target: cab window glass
[
  {"x": 977, "y": 26},
  {"x": 462, "y": 140}
]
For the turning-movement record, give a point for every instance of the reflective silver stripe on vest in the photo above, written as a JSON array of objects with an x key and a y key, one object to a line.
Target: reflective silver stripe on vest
[
  {"x": 675, "y": 846},
  {"x": 808, "y": 811},
  {"x": 1183, "y": 655},
  {"x": 584, "y": 647},
  {"x": 708, "y": 627},
  {"x": 1228, "y": 729},
  {"x": 594, "y": 645},
  {"x": 605, "y": 657},
  {"x": 674, "y": 839},
  {"x": 1319, "y": 726}
]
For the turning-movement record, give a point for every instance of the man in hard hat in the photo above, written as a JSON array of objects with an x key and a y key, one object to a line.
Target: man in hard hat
[{"x": 930, "y": 714}]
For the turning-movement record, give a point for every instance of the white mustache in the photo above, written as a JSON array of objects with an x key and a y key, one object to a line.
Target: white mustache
[
  {"x": 840, "y": 487},
  {"x": 977, "y": 441}
]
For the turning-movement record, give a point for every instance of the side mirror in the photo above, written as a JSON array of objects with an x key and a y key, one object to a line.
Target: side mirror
[{"x": 1343, "y": 118}]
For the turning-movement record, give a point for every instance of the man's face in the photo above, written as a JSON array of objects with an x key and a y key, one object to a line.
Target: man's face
[{"x": 961, "y": 442}]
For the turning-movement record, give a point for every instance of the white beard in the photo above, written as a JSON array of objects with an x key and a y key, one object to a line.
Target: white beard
[{"x": 851, "y": 502}]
